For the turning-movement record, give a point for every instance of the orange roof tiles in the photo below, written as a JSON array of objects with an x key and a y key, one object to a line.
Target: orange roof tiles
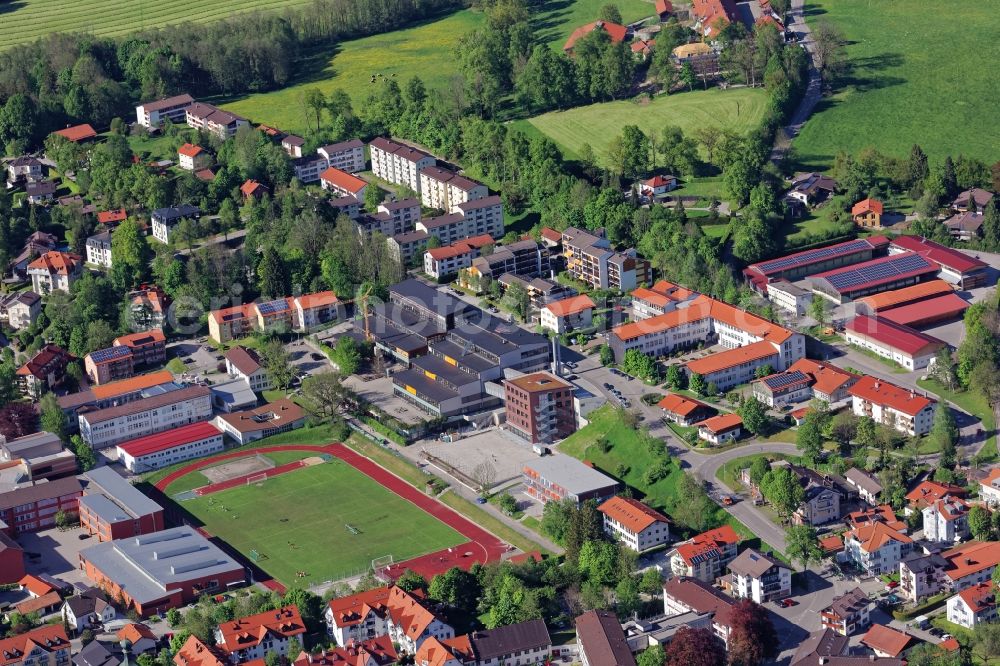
[
  {"x": 252, "y": 630},
  {"x": 881, "y": 392},
  {"x": 874, "y": 536},
  {"x": 917, "y": 292},
  {"x": 49, "y": 638},
  {"x": 378, "y": 651},
  {"x": 35, "y": 585},
  {"x": 551, "y": 234},
  {"x": 707, "y": 543},
  {"x": 77, "y": 132},
  {"x": 681, "y": 405},
  {"x": 461, "y": 247},
  {"x": 826, "y": 378},
  {"x": 631, "y": 514},
  {"x": 190, "y": 150},
  {"x": 879, "y": 514},
  {"x": 343, "y": 180},
  {"x": 439, "y": 652},
  {"x": 885, "y": 640},
  {"x": 928, "y": 492},
  {"x": 731, "y": 358},
  {"x": 135, "y": 632},
  {"x": 979, "y": 597},
  {"x": 317, "y": 300},
  {"x": 713, "y": 13},
  {"x": 867, "y": 206},
  {"x": 132, "y": 384},
  {"x": 664, "y": 6},
  {"x": 721, "y": 423},
  {"x": 704, "y": 307},
  {"x": 56, "y": 263},
  {"x": 141, "y": 339},
  {"x": 971, "y": 557},
  {"x": 109, "y": 216},
  {"x": 250, "y": 188},
  {"x": 652, "y": 297},
  {"x": 353, "y": 609},
  {"x": 38, "y": 604},
  {"x": 831, "y": 544},
  {"x": 615, "y": 31},
  {"x": 570, "y": 306},
  {"x": 196, "y": 653}
]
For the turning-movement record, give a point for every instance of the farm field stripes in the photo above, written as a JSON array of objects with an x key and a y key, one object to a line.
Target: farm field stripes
[{"x": 27, "y": 20}]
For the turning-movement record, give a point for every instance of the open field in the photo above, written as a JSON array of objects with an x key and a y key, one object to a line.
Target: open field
[
  {"x": 26, "y": 20},
  {"x": 738, "y": 110},
  {"x": 916, "y": 76},
  {"x": 557, "y": 19},
  {"x": 425, "y": 50},
  {"x": 298, "y": 522}
]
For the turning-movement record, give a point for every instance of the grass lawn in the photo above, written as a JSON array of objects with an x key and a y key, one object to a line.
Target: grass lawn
[
  {"x": 557, "y": 19},
  {"x": 739, "y": 110},
  {"x": 908, "y": 83},
  {"x": 26, "y": 20},
  {"x": 425, "y": 50},
  {"x": 975, "y": 404},
  {"x": 289, "y": 520}
]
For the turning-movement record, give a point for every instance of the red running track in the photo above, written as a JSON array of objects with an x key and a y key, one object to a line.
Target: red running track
[{"x": 482, "y": 547}]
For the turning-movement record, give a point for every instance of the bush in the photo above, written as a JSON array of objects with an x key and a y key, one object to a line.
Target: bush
[
  {"x": 651, "y": 398},
  {"x": 384, "y": 430},
  {"x": 604, "y": 444},
  {"x": 659, "y": 470}
]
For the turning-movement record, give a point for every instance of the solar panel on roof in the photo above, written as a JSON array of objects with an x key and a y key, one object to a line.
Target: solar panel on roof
[
  {"x": 882, "y": 271},
  {"x": 111, "y": 353},
  {"x": 776, "y": 382},
  {"x": 271, "y": 307},
  {"x": 813, "y": 256}
]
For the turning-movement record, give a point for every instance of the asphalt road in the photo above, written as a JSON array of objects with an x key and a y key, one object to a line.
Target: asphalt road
[{"x": 814, "y": 90}]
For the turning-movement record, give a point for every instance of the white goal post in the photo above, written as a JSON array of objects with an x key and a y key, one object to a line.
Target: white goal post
[
  {"x": 256, "y": 478},
  {"x": 380, "y": 563}
]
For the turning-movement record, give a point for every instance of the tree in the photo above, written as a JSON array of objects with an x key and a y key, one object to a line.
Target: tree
[
  {"x": 129, "y": 255},
  {"x": 556, "y": 517},
  {"x": 374, "y": 196},
  {"x": 709, "y": 137},
  {"x": 346, "y": 355},
  {"x": 516, "y": 300},
  {"x": 945, "y": 434},
  {"x": 585, "y": 524},
  {"x": 323, "y": 393},
  {"x": 752, "y": 638},
  {"x": 782, "y": 489},
  {"x": 507, "y": 504},
  {"x": 991, "y": 224},
  {"x": 809, "y": 438},
  {"x": 829, "y": 50},
  {"x": 986, "y": 639},
  {"x": 610, "y": 13},
  {"x": 802, "y": 545},
  {"x": 843, "y": 426},
  {"x": 764, "y": 371},
  {"x": 272, "y": 279},
  {"x": 598, "y": 561},
  {"x": 17, "y": 419},
  {"x": 651, "y": 582},
  {"x": 607, "y": 356},
  {"x": 654, "y": 655},
  {"x": 980, "y": 523},
  {"x": 316, "y": 101},
  {"x": 52, "y": 417},
  {"x": 695, "y": 647},
  {"x": 754, "y": 415},
  {"x": 692, "y": 508},
  {"x": 179, "y": 639},
  {"x": 759, "y": 469},
  {"x": 696, "y": 383},
  {"x": 173, "y": 617},
  {"x": 411, "y": 580},
  {"x": 632, "y": 152},
  {"x": 639, "y": 364},
  {"x": 506, "y": 606},
  {"x": 819, "y": 309},
  {"x": 277, "y": 363},
  {"x": 85, "y": 457},
  {"x": 485, "y": 475},
  {"x": 457, "y": 588},
  {"x": 944, "y": 370}
]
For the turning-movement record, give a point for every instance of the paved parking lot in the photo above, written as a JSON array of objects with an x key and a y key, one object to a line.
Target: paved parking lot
[
  {"x": 378, "y": 391},
  {"x": 500, "y": 449},
  {"x": 59, "y": 553}
]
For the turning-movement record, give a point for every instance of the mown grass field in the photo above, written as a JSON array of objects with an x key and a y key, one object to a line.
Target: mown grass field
[
  {"x": 555, "y": 20},
  {"x": 425, "y": 50},
  {"x": 738, "y": 110},
  {"x": 25, "y": 20},
  {"x": 917, "y": 76},
  {"x": 297, "y": 522}
]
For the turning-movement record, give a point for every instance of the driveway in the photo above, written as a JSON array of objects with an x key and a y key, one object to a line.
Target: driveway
[{"x": 796, "y": 22}]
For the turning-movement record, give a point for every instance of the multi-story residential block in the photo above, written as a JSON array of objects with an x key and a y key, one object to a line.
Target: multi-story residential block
[
  {"x": 309, "y": 167},
  {"x": 165, "y": 219},
  {"x": 347, "y": 156},
  {"x": 23, "y": 310},
  {"x": 635, "y": 524},
  {"x": 682, "y": 594},
  {"x": 973, "y": 606},
  {"x": 43, "y": 372},
  {"x": 559, "y": 477},
  {"x": 989, "y": 488},
  {"x": 539, "y": 407},
  {"x": 302, "y": 313},
  {"x": 109, "y": 365},
  {"x": 99, "y": 249},
  {"x": 407, "y": 247},
  {"x": 928, "y": 492},
  {"x": 947, "y": 520},
  {"x": 196, "y": 653},
  {"x": 222, "y": 124},
  {"x": 893, "y": 406},
  {"x": 759, "y": 577},
  {"x": 244, "y": 363},
  {"x": 868, "y": 487},
  {"x": 848, "y": 613},
  {"x": 921, "y": 575},
  {"x": 568, "y": 314},
  {"x": 54, "y": 271},
  {"x": 397, "y": 217},
  {"x": 404, "y": 616},
  {"x": 112, "y": 508},
  {"x": 589, "y": 258},
  {"x": 343, "y": 183},
  {"x": 147, "y": 347},
  {"x": 255, "y": 636},
  {"x": 513, "y": 645},
  {"x": 443, "y": 189},
  {"x": 473, "y": 218},
  {"x": 397, "y": 163},
  {"x": 157, "y": 413},
  {"x": 661, "y": 298},
  {"x": 167, "y": 448},
  {"x": 152, "y": 114},
  {"x": 47, "y": 645},
  {"x": 601, "y": 641},
  {"x": 192, "y": 158},
  {"x": 805, "y": 380},
  {"x": 39, "y": 455},
  {"x": 155, "y": 572},
  {"x": 24, "y": 169},
  {"x": 525, "y": 258},
  {"x": 29, "y": 508},
  {"x": 447, "y": 260},
  {"x": 876, "y": 548},
  {"x": 706, "y": 555},
  {"x": 317, "y": 309},
  {"x": 292, "y": 145},
  {"x": 377, "y": 651},
  {"x": 148, "y": 307}
]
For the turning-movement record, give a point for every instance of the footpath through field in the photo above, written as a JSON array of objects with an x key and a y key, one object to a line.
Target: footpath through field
[{"x": 482, "y": 547}]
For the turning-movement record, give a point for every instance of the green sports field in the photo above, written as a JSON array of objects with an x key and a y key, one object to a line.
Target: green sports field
[
  {"x": 921, "y": 72},
  {"x": 26, "y": 20},
  {"x": 298, "y": 522},
  {"x": 739, "y": 110}
]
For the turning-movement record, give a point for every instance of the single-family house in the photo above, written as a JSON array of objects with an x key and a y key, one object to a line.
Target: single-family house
[
  {"x": 848, "y": 612},
  {"x": 867, "y": 213},
  {"x": 192, "y": 158},
  {"x": 635, "y": 524},
  {"x": 720, "y": 429},
  {"x": 760, "y": 577},
  {"x": 973, "y": 605},
  {"x": 706, "y": 555},
  {"x": 683, "y": 410},
  {"x": 87, "y": 609},
  {"x": 886, "y": 642},
  {"x": 868, "y": 487}
]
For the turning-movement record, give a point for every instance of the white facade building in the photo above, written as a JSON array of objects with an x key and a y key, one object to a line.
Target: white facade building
[
  {"x": 167, "y": 448},
  {"x": 904, "y": 410},
  {"x": 760, "y": 577},
  {"x": 166, "y": 411},
  {"x": 397, "y": 163},
  {"x": 633, "y": 523}
]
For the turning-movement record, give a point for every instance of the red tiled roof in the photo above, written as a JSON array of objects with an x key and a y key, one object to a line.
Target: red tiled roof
[
  {"x": 939, "y": 254},
  {"x": 205, "y": 174},
  {"x": 707, "y": 542},
  {"x": 615, "y": 31},
  {"x": 570, "y": 306},
  {"x": 681, "y": 405},
  {"x": 730, "y": 358},
  {"x": 250, "y": 188},
  {"x": 551, "y": 234},
  {"x": 883, "y": 393},
  {"x": 190, "y": 150},
  {"x": 875, "y": 535},
  {"x": 50, "y": 638},
  {"x": 971, "y": 557},
  {"x": 196, "y": 653},
  {"x": 343, "y": 180},
  {"x": 933, "y": 309},
  {"x": 906, "y": 295},
  {"x": 879, "y": 514},
  {"x": 831, "y": 544},
  {"x": 928, "y": 492},
  {"x": 461, "y": 247},
  {"x": 135, "y": 632},
  {"x": 885, "y": 640},
  {"x": 902, "y": 338},
  {"x": 37, "y": 363},
  {"x": 77, "y": 132},
  {"x": 713, "y": 13},
  {"x": 141, "y": 339},
  {"x": 867, "y": 206},
  {"x": 664, "y": 6},
  {"x": 721, "y": 423},
  {"x": 109, "y": 216},
  {"x": 59, "y": 263},
  {"x": 317, "y": 299},
  {"x": 195, "y": 432},
  {"x": 250, "y": 631},
  {"x": 35, "y": 585},
  {"x": 378, "y": 649},
  {"x": 632, "y": 514}
]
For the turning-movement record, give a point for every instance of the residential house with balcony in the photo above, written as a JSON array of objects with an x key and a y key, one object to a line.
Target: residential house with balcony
[
  {"x": 973, "y": 606},
  {"x": 759, "y": 577},
  {"x": 901, "y": 409},
  {"x": 55, "y": 271},
  {"x": 868, "y": 487},
  {"x": 47, "y": 645},
  {"x": 706, "y": 555},
  {"x": 214, "y": 120},
  {"x": 947, "y": 520},
  {"x": 951, "y": 570},
  {"x": 43, "y": 372},
  {"x": 848, "y": 613},
  {"x": 876, "y": 549},
  {"x": 255, "y": 636},
  {"x": 635, "y": 524}
]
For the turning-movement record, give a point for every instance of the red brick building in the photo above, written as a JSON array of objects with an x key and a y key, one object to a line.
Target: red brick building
[
  {"x": 33, "y": 508},
  {"x": 540, "y": 407},
  {"x": 112, "y": 508},
  {"x": 11, "y": 560}
]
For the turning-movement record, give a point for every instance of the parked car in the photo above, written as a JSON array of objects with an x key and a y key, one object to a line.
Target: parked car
[
  {"x": 480, "y": 500},
  {"x": 788, "y": 603}
]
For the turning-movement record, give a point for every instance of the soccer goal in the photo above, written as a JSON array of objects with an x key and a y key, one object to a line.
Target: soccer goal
[
  {"x": 381, "y": 563},
  {"x": 256, "y": 479}
]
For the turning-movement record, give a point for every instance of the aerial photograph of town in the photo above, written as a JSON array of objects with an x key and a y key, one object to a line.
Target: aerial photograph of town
[{"x": 499, "y": 333}]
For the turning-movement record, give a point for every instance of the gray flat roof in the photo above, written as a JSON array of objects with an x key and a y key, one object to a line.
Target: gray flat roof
[
  {"x": 120, "y": 493},
  {"x": 444, "y": 370},
  {"x": 569, "y": 473},
  {"x": 457, "y": 352},
  {"x": 434, "y": 391},
  {"x": 148, "y": 567},
  {"x": 428, "y": 297},
  {"x": 237, "y": 392}
]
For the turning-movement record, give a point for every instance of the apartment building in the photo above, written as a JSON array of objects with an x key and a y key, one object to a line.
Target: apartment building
[
  {"x": 951, "y": 570},
  {"x": 928, "y": 492},
  {"x": 112, "y": 508},
  {"x": 539, "y": 407},
  {"x": 759, "y": 577},
  {"x": 972, "y": 606},
  {"x": 222, "y": 124},
  {"x": 525, "y": 258},
  {"x": 23, "y": 309},
  {"x": 193, "y": 158},
  {"x": 109, "y": 365},
  {"x": 601, "y": 641},
  {"x": 152, "y": 114},
  {"x": 635, "y": 524},
  {"x": 989, "y": 488},
  {"x": 867, "y": 486},
  {"x": 149, "y": 307},
  {"x": 29, "y": 508},
  {"x": 876, "y": 548},
  {"x": 255, "y": 636},
  {"x": 899, "y": 408},
  {"x": 443, "y": 189},
  {"x": 406, "y": 617},
  {"x": 397, "y": 163},
  {"x": 300, "y": 313},
  {"x": 343, "y": 183},
  {"x": 54, "y": 271},
  {"x": 705, "y": 556},
  {"x": 244, "y": 363},
  {"x": 23, "y": 170},
  {"x": 43, "y": 371},
  {"x": 568, "y": 314},
  {"x": 167, "y": 448},
  {"x": 683, "y": 595},
  {"x": 396, "y": 217},
  {"x": 947, "y": 520},
  {"x": 848, "y": 613},
  {"x": 661, "y": 298},
  {"x": 163, "y": 220},
  {"x": 317, "y": 309},
  {"x": 473, "y": 218},
  {"x": 99, "y": 249},
  {"x": 157, "y": 413},
  {"x": 309, "y": 167},
  {"x": 347, "y": 156},
  {"x": 589, "y": 258},
  {"x": 147, "y": 347},
  {"x": 47, "y": 645},
  {"x": 445, "y": 261},
  {"x": 407, "y": 248}
]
